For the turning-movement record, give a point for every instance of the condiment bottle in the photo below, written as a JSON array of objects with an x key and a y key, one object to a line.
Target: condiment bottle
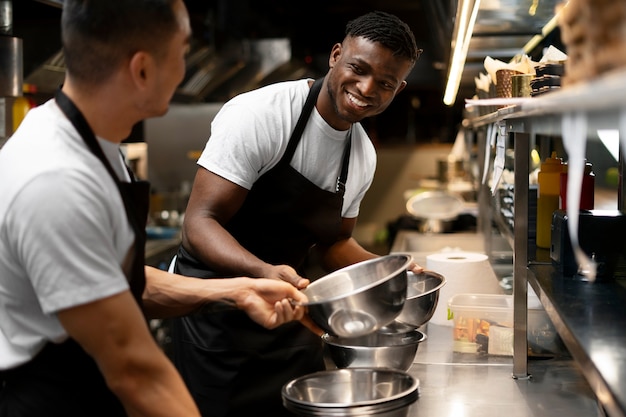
[
  {"x": 586, "y": 191},
  {"x": 548, "y": 192}
]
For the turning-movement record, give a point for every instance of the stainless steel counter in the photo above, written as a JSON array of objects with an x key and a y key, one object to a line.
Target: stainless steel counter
[{"x": 456, "y": 384}]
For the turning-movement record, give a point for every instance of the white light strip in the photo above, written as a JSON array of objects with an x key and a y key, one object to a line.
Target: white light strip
[
  {"x": 610, "y": 140},
  {"x": 459, "y": 50},
  {"x": 549, "y": 27}
]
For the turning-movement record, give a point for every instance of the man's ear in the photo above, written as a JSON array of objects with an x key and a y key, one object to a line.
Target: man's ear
[
  {"x": 334, "y": 55},
  {"x": 401, "y": 87},
  {"x": 140, "y": 68}
]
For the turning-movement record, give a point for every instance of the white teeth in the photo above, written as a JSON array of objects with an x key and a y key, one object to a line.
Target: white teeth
[{"x": 356, "y": 101}]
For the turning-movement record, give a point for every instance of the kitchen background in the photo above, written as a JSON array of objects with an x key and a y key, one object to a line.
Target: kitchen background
[{"x": 239, "y": 45}]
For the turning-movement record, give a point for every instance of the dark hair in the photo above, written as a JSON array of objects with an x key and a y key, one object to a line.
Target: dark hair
[
  {"x": 388, "y": 30},
  {"x": 98, "y": 35}
]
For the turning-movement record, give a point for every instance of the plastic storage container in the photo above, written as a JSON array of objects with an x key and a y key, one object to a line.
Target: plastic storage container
[{"x": 483, "y": 323}]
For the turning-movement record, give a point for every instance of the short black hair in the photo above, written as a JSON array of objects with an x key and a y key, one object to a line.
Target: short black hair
[
  {"x": 388, "y": 30},
  {"x": 98, "y": 35}
]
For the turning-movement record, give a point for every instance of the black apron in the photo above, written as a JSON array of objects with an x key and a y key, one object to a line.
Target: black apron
[
  {"x": 233, "y": 366},
  {"x": 63, "y": 380}
]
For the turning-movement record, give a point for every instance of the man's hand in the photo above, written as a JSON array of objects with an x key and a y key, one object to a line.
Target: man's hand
[
  {"x": 268, "y": 302},
  {"x": 287, "y": 274},
  {"x": 415, "y": 268}
]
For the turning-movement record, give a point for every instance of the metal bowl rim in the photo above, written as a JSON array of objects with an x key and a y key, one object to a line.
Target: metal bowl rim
[
  {"x": 432, "y": 290},
  {"x": 364, "y": 288},
  {"x": 409, "y": 394},
  {"x": 419, "y": 338}
]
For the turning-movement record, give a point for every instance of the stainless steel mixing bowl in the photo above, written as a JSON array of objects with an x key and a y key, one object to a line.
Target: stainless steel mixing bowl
[
  {"x": 351, "y": 392},
  {"x": 361, "y": 298},
  {"x": 422, "y": 296},
  {"x": 393, "y": 346}
]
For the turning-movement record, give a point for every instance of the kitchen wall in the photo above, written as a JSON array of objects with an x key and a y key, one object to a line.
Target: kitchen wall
[{"x": 400, "y": 168}]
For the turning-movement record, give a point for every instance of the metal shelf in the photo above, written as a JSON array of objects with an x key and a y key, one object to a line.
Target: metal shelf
[{"x": 590, "y": 317}]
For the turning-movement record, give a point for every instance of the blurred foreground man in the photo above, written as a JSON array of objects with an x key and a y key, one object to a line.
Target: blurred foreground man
[{"x": 74, "y": 291}]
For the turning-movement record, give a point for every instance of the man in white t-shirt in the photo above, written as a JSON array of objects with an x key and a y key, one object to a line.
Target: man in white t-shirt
[
  {"x": 74, "y": 290},
  {"x": 284, "y": 171}
]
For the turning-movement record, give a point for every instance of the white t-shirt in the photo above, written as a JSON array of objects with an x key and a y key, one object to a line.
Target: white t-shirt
[
  {"x": 250, "y": 134},
  {"x": 63, "y": 231}
]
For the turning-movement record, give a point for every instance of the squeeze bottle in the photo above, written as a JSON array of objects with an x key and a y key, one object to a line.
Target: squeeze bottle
[
  {"x": 586, "y": 191},
  {"x": 548, "y": 193}
]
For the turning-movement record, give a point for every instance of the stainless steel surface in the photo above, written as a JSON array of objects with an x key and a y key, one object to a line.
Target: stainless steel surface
[
  {"x": 361, "y": 298},
  {"x": 351, "y": 392},
  {"x": 586, "y": 316},
  {"x": 439, "y": 205},
  {"x": 11, "y": 66},
  {"x": 474, "y": 385},
  {"x": 520, "y": 261},
  {"x": 422, "y": 296},
  {"x": 391, "y": 347},
  {"x": 435, "y": 211},
  {"x": 456, "y": 384}
]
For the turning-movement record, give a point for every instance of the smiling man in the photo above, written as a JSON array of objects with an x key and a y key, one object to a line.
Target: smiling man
[{"x": 285, "y": 170}]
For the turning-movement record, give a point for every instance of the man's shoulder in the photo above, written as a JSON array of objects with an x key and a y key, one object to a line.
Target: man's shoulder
[{"x": 282, "y": 90}]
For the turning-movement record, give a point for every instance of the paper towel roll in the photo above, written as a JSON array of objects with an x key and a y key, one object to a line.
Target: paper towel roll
[{"x": 465, "y": 272}]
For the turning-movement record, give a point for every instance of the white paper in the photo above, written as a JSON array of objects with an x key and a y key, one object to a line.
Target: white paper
[
  {"x": 498, "y": 163},
  {"x": 574, "y": 128},
  {"x": 489, "y": 143}
]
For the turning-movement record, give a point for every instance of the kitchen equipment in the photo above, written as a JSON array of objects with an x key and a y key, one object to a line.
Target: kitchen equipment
[
  {"x": 504, "y": 82},
  {"x": 360, "y": 298},
  {"x": 451, "y": 169},
  {"x": 435, "y": 210},
  {"x": 520, "y": 85},
  {"x": 392, "y": 346},
  {"x": 352, "y": 392},
  {"x": 600, "y": 233},
  {"x": 422, "y": 296}
]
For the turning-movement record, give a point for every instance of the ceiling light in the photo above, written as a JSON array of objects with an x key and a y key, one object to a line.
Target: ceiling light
[{"x": 463, "y": 27}]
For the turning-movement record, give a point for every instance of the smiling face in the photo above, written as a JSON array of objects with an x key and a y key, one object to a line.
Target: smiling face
[{"x": 363, "y": 79}]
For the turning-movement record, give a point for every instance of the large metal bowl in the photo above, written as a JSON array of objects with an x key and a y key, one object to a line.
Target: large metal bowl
[
  {"x": 392, "y": 346},
  {"x": 422, "y": 296},
  {"x": 361, "y": 298},
  {"x": 351, "y": 392}
]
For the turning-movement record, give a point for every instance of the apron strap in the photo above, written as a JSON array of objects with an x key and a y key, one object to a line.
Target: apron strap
[
  {"x": 130, "y": 201},
  {"x": 296, "y": 135},
  {"x": 341, "y": 180},
  {"x": 302, "y": 120}
]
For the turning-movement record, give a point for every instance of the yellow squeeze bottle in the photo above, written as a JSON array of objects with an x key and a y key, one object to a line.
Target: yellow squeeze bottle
[{"x": 548, "y": 191}]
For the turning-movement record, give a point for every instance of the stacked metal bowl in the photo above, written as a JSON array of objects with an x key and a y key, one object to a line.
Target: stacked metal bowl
[
  {"x": 351, "y": 392},
  {"x": 393, "y": 346},
  {"x": 370, "y": 312},
  {"x": 361, "y": 298}
]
